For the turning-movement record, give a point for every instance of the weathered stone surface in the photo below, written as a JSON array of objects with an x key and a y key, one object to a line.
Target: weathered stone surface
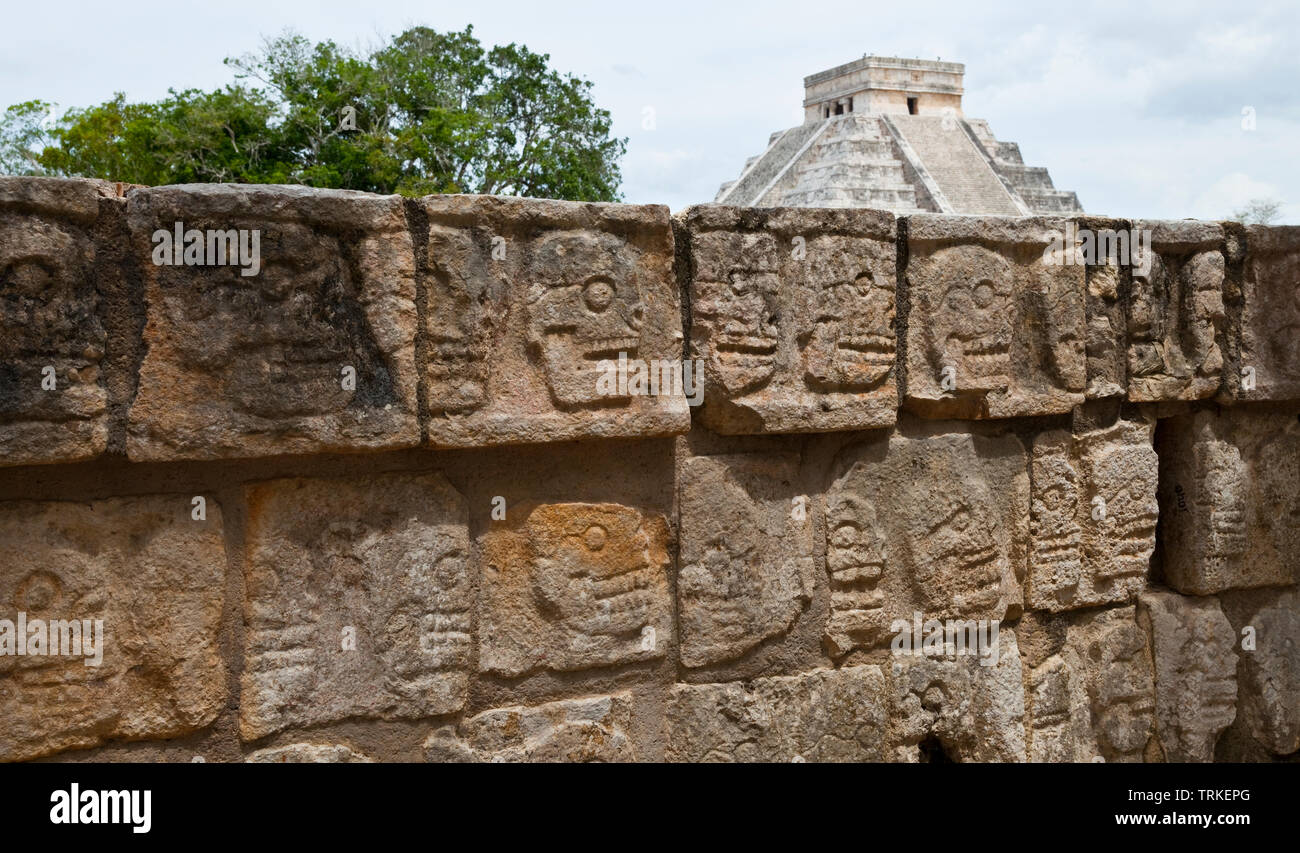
[
  {"x": 1230, "y": 500},
  {"x": 258, "y": 365},
  {"x": 155, "y": 578},
  {"x": 381, "y": 559},
  {"x": 964, "y": 708},
  {"x": 308, "y": 753},
  {"x": 930, "y": 523},
  {"x": 573, "y": 585},
  {"x": 826, "y": 715},
  {"x": 1270, "y": 319},
  {"x": 793, "y": 314},
  {"x": 1176, "y": 314},
  {"x": 1196, "y": 673},
  {"x": 593, "y": 729},
  {"x": 996, "y": 327},
  {"x": 746, "y": 554},
  {"x": 526, "y": 304},
  {"x": 1104, "y": 311},
  {"x": 1093, "y": 516},
  {"x": 50, "y": 320},
  {"x": 1268, "y": 698},
  {"x": 1089, "y": 686}
]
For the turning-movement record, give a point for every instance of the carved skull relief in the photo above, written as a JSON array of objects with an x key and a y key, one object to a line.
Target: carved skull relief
[{"x": 584, "y": 307}]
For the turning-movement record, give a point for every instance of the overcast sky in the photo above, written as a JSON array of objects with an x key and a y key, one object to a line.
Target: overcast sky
[{"x": 1137, "y": 106}]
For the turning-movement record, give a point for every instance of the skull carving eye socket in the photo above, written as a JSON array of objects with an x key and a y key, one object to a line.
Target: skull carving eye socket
[
  {"x": 956, "y": 295},
  {"x": 594, "y": 537},
  {"x": 844, "y": 536},
  {"x": 598, "y": 294},
  {"x": 31, "y": 277},
  {"x": 983, "y": 294}
]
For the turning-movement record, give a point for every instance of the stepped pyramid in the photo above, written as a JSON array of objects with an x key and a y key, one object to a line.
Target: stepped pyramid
[{"x": 889, "y": 133}]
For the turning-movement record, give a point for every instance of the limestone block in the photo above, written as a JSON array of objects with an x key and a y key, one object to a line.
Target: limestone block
[
  {"x": 308, "y": 753},
  {"x": 570, "y": 586},
  {"x": 1089, "y": 686},
  {"x": 152, "y": 579},
  {"x": 1104, "y": 312},
  {"x": 1230, "y": 500},
  {"x": 1270, "y": 321},
  {"x": 746, "y": 554},
  {"x": 1196, "y": 673},
  {"x": 50, "y": 322},
  {"x": 821, "y": 716},
  {"x": 1268, "y": 698},
  {"x": 315, "y": 352},
  {"x": 358, "y": 601},
  {"x": 793, "y": 313},
  {"x": 529, "y": 305},
  {"x": 928, "y": 523},
  {"x": 592, "y": 729},
  {"x": 963, "y": 708},
  {"x": 1093, "y": 516},
  {"x": 996, "y": 325},
  {"x": 1176, "y": 317}
]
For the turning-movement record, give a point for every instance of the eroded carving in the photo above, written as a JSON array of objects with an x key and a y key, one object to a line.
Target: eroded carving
[
  {"x": 746, "y": 554},
  {"x": 49, "y": 320},
  {"x": 1176, "y": 314},
  {"x": 822, "y": 716},
  {"x": 594, "y": 729},
  {"x": 574, "y": 585},
  {"x": 930, "y": 524},
  {"x": 1195, "y": 673},
  {"x": 313, "y": 352},
  {"x": 793, "y": 313},
  {"x": 997, "y": 326},
  {"x": 1091, "y": 687},
  {"x": 1094, "y": 514},
  {"x": 154, "y": 580},
  {"x": 358, "y": 603},
  {"x": 1231, "y": 508}
]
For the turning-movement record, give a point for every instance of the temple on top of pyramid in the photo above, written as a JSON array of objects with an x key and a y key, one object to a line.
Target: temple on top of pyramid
[{"x": 889, "y": 133}]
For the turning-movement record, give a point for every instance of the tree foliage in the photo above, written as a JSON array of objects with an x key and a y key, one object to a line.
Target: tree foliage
[
  {"x": 1258, "y": 211},
  {"x": 428, "y": 112}
]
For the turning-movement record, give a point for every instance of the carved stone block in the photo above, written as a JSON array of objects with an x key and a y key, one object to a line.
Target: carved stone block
[
  {"x": 1196, "y": 673},
  {"x": 593, "y": 729},
  {"x": 1176, "y": 317},
  {"x": 746, "y": 554},
  {"x": 1089, "y": 686},
  {"x": 961, "y": 708},
  {"x": 312, "y": 352},
  {"x": 136, "y": 578},
  {"x": 793, "y": 313},
  {"x": 1093, "y": 516},
  {"x": 574, "y": 585},
  {"x": 1267, "y": 633},
  {"x": 1270, "y": 320},
  {"x": 53, "y": 397},
  {"x": 358, "y": 601},
  {"x": 529, "y": 307},
  {"x": 822, "y": 716},
  {"x": 931, "y": 523},
  {"x": 1230, "y": 500},
  {"x": 996, "y": 325}
]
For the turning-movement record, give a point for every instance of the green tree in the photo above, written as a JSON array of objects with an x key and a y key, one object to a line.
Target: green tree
[{"x": 427, "y": 112}]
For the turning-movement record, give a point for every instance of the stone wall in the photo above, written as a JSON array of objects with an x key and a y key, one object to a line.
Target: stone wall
[{"x": 365, "y": 494}]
